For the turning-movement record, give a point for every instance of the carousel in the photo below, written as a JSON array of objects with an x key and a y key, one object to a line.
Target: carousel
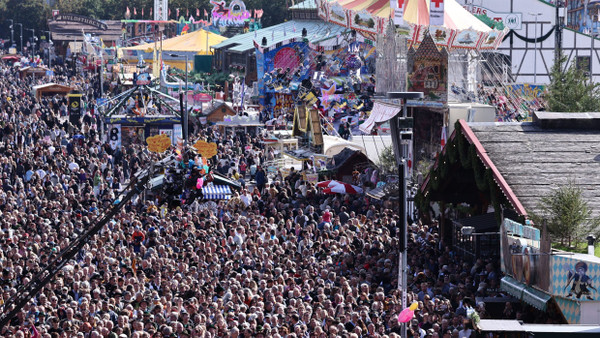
[{"x": 440, "y": 49}]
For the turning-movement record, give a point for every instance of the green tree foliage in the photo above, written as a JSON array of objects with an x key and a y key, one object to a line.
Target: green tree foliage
[
  {"x": 571, "y": 90},
  {"x": 31, "y": 13},
  {"x": 567, "y": 215},
  {"x": 35, "y": 13},
  {"x": 387, "y": 161}
]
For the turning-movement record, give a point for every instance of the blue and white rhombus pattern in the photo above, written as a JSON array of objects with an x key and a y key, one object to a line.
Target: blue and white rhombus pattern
[
  {"x": 560, "y": 285},
  {"x": 570, "y": 309}
]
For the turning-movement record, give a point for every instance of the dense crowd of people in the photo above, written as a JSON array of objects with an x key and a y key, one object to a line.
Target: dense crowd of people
[{"x": 279, "y": 259}]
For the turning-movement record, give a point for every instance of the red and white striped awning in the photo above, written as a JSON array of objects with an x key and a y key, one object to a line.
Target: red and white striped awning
[{"x": 380, "y": 113}]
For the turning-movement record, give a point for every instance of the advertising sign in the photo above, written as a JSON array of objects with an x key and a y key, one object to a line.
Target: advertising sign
[
  {"x": 114, "y": 136},
  {"x": 510, "y": 20},
  {"x": 74, "y": 107}
]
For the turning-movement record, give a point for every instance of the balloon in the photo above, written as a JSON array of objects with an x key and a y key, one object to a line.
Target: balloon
[
  {"x": 406, "y": 315},
  {"x": 205, "y": 168},
  {"x": 414, "y": 306},
  {"x": 199, "y": 183}
]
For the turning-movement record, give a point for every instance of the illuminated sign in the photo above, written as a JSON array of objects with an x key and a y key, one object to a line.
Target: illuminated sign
[{"x": 232, "y": 15}]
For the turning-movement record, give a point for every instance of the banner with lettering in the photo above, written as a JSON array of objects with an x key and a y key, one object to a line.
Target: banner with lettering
[
  {"x": 398, "y": 7},
  {"x": 436, "y": 13}
]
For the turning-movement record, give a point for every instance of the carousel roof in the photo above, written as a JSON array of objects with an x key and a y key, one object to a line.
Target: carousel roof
[{"x": 417, "y": 12}]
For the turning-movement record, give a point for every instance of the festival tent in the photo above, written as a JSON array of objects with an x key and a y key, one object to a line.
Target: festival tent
[
  {"x": 370, "y": 17},
  {"x": 195, "y": 43},
  {"x": 50, "y": 89}
]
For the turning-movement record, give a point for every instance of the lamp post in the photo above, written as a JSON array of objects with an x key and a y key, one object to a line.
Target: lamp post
[
  {"x": 21, "y": 26},
  {"x": 535, "y": 47},
  {"x": 185, "y": 115},
  {"x": 398, "y": 139},
  {"x": 32, "y": 41},
  {"x": 11, "y": 32},
  {"x": 50, "y": 44}
]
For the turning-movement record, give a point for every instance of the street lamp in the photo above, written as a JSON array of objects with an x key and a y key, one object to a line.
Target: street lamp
[
  {"x": 32, "y": 41},
  {"x": 398, "y": 139},
  {"x": 535, "y": 47},
  {"x": 50, "y": 44},
  {"x": 185, "y": 115},
  {"x": 21, "y": 25},
  {"x": 11, "y": 32}
]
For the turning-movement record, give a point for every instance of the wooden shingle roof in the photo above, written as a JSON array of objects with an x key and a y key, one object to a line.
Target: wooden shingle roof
[{"x": 534, "y": 160}]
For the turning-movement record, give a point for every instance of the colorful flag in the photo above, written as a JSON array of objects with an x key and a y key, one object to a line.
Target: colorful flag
[
  {"x": 134, "y": 11},
  {"x": 177, "y": 14},
  {"x": 197, "y": 12},
  {"x": 187, "y": 12},
  {"x": 443, "y": 138},
  {"x": 409, "y": 159},
  {"x": 398, "y": 6},
  {"x": 142, "y": 12},
  {"x": 205, "y": 13},
  {"x": 127, "y": 12},
  {"x": 243, "y": 92},
  {"x": 169, "y": 12},
  {"x": 150, "y": 12},
  {"x": 436, "y": 13}
]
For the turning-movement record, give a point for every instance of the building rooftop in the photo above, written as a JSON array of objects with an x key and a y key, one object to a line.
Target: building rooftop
[
  {"x": 317, "y": 31},
  {"x": 536, "y": 158}
]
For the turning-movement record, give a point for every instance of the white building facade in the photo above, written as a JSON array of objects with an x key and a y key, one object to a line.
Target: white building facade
[{"x": 530, "y": 49}]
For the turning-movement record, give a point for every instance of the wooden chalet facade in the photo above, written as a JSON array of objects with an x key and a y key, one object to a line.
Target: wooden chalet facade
[{"x": 514, "y": 165}]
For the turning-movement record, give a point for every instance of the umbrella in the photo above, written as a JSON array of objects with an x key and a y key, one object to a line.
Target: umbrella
[
  {"x": 327, "y": 184},
  {"x": 10, "y": 58},
  {"x": 79, "y": 137},
  {"x": 343, "y": 188}
]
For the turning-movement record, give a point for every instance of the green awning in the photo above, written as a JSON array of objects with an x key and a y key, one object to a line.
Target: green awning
[
  {"x": 536, "y": 298},
  {"x": 528, "y": 294},
  {"x": 512, "y": 286}
]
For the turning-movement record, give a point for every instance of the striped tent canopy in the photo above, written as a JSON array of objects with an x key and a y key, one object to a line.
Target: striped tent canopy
[
  {"x": 371, "y": 17},
  {"x": 217, "y": 192}
]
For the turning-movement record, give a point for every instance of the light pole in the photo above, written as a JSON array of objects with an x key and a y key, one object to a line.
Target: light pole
[
  {"x": 535, "y": 47},
  {"x": 402, "y": 141},
  {"x": 21, "y": 26},
  {"x": 185, "y": 115},
  {"x": 11, "y": 32},
  {"x": 32, "y": 41},
  {"x": 50, "y": 44}
]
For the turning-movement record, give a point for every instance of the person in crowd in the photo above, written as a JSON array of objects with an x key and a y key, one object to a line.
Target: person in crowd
[{"x": 281, "y": 260}]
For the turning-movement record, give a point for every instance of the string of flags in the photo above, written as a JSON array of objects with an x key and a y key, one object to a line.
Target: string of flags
[{"x": 256, "y": 13}]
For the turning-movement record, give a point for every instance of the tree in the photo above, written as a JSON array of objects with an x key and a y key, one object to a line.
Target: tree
[
  {"x": 387, "y": 161},
  {"x": 571, "y": 90},
  {"x": 568, "y": 216}
]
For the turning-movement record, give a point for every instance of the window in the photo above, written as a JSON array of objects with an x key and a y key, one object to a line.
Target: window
[{"x": 583, "y": 63}]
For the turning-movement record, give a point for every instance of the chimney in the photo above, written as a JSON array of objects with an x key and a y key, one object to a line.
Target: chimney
[{"x": 591, "y": 239}]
